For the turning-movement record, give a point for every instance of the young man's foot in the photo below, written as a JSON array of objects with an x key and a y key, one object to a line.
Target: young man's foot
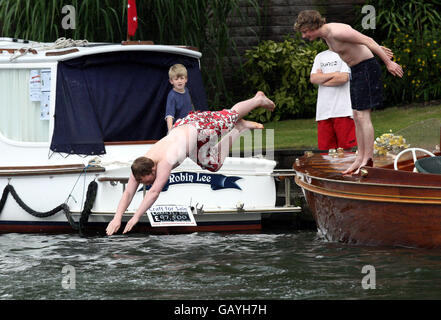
[
  {"x": 369, "y": 163},
  {"x": 353, "y": 167},
  {"x": 356, "y": 165},
  {"x": 242, "y": 125},
  {"x": 265, "y": 102}
]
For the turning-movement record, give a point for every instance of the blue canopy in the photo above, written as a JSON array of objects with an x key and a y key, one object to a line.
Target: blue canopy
[{"x": 118, "y": 96}]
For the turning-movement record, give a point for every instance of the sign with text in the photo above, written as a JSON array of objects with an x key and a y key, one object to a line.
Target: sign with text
[
  {"x": 215, "y": 181},
  {"x": 170, "y": 216}
]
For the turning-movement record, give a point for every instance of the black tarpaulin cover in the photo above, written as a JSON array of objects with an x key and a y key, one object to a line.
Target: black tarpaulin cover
[{"x": 118, "y": 96}]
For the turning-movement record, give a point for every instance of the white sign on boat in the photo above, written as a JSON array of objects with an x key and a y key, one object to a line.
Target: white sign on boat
[{"x": 170, "y": 216}]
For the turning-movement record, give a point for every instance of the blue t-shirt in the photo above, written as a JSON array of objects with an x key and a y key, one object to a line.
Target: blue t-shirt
[{"x": 178, "y": 104}]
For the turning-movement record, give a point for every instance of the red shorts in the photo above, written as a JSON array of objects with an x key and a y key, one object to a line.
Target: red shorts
[
  {"x": 336, "y": 133},
  {"x": 211, "y": 125}
]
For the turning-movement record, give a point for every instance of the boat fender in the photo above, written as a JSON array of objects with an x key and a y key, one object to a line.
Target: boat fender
[{"x": 88, "y": 204}]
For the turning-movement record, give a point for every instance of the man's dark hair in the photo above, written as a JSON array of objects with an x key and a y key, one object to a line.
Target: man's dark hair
[{"x": 142, "y": 166}]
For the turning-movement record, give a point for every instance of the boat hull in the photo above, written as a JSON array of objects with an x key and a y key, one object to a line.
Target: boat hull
[
  {"x": 376, "y": 223},
  {"x": 230, "y": 200},
  {"x": 215, "y": 223},
  {"x": 381, "y": 207}
]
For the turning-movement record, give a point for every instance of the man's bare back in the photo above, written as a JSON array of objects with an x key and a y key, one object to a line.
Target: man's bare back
[
  {"x": 175, "y": 147},
  {"x": 352, "y": 46},
  {"x": 351, "y": 53}
]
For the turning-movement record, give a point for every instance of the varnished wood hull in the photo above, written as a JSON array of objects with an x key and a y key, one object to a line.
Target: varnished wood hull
[{"x": 379, "y": 207}]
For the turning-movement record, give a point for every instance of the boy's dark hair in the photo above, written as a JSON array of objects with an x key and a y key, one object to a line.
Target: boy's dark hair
[
  {"x": 142, "y": 166},
  {"x": 309, "y": 20}
]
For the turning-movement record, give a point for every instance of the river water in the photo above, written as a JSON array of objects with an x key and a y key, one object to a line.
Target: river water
[{"x": 287, "y": 265}]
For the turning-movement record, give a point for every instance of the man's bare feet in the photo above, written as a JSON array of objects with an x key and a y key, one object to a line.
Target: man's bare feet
[
  {"x": 356, "y": 165},
  {"x": 265, "y": 102},
  {"x": 353, "y": 167},
  {"x": 242, "y": 125}
]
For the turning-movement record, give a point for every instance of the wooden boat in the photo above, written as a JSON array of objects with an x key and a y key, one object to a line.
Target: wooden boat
[
  {"x": 379, "y": 206},
  {"x": 67, "y": 141}
]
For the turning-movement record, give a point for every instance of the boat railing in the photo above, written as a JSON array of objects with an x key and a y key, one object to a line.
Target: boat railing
[
  {"x": 115, "y": 180},
  {"x": 285, "y": 175}
]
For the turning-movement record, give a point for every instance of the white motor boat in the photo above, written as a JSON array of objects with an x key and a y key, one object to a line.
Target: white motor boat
[{"x": 73, "y": 119}]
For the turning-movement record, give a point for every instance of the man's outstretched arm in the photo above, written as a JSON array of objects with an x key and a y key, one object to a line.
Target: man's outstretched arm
[
  {"x": 346, "y": 33},
  {"x": 163, "y": 170},
  {"x": 123, "y": 204}
]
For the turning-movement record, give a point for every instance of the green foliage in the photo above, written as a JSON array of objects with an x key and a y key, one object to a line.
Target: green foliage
[
  {"x": 40, "y": 20},
  {"x": 281, "y": 70},
  {"x": 411, "y": 29},
  {"x": 414, "y": 16},
  {"x": 420, "y": 57},
  {"x": 196, "y": 23}
]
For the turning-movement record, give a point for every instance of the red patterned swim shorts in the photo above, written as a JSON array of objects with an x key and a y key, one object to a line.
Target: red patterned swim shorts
[{"x": 210, "y": 125}]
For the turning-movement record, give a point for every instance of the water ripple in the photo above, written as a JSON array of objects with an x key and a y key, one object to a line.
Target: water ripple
[{"x": 294, "y": 265}]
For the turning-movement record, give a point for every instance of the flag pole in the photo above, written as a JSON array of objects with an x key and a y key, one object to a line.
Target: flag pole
[{"x": 128, "y": 6}]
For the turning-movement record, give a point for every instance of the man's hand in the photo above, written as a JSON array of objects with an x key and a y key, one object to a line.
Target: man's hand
[
  {"x": 388, "y": 52},
  {"x": 113, "y": 226},
  {"x": 130, "y": 224},
  {"x": 395, "y": 69}
]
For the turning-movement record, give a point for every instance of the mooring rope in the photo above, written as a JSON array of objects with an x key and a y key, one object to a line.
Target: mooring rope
[
  {"x": 60, "y": 43},
  {"x": 10, "y": 189},
  {"x": 79, "y": 226}
]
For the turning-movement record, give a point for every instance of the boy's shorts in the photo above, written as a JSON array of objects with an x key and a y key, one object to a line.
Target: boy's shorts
[
  {"x": 366, "y": 86},
  {"x": 210, "y": 125},
  {"x": 336, "y": 133}
]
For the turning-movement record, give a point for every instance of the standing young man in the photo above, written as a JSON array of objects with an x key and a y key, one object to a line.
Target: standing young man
[{"x": 357, "y": 50}]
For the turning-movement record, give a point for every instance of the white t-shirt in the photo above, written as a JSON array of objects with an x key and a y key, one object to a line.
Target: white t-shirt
[{"x": 332, "y": 102}]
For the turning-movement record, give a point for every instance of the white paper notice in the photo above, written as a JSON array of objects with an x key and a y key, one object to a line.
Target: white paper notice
[
  {"x": 45, "y": 79},
  {"x": 35, "y": 85},
  {"x": 44, "y": 106},
  {"x": 45, "y": 93}
]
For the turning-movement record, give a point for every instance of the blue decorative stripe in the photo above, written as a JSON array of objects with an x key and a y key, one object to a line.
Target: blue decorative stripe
[{"x": 216, "y": 181}]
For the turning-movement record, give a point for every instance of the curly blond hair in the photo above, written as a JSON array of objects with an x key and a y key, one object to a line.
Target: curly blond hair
[{"x": 309, "y": 20}]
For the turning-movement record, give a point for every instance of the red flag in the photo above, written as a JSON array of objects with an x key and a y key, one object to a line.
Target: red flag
[{"x": 132, "y": 18}]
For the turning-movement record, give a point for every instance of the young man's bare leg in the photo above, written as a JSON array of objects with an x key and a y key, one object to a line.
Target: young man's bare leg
[
  {"x": 246, "y": 106},
  {"x": 223, "y": 147},
  {"x": 368, "y": 137},
  {"x": 243, "y": 108},
  {"x": 221, "y": 150},
  {"x": 364, "y": 131}
]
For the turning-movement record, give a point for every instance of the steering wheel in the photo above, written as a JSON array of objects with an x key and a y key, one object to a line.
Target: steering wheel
[{"x": 413, "y": 150}]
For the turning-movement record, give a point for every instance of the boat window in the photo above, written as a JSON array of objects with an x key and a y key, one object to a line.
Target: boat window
[{"x": 24, "y": 104}]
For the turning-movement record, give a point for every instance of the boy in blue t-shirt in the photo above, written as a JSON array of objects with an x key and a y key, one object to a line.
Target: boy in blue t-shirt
[{"x": 178, "y": 100}]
